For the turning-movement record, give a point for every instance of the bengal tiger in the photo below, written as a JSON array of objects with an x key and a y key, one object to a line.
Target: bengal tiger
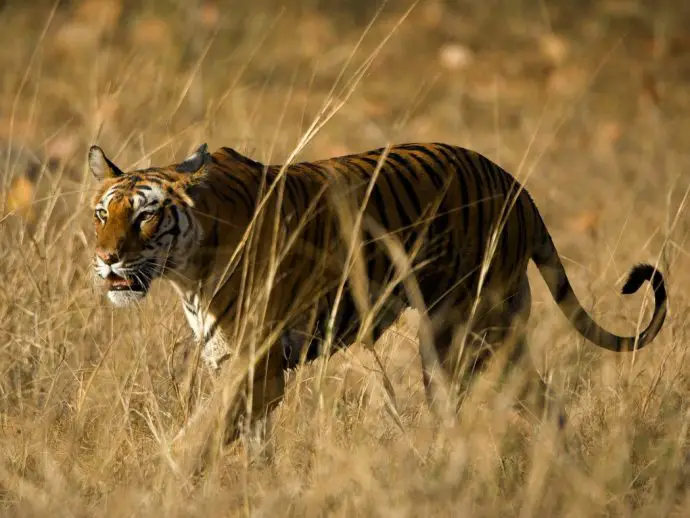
[{"x": 228, "y": 231}]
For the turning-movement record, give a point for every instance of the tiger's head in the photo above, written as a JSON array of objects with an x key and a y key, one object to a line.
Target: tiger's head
[{"x": 144, "y": 223}]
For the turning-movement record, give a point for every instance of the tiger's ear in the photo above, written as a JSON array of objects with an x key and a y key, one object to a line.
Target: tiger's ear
[
  {"x": 195, "y": 161},
  {"x": 100, "y": 166}
]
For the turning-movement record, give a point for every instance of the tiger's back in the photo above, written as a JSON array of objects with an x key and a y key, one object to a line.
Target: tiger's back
[{"x": 464, "y": 220}]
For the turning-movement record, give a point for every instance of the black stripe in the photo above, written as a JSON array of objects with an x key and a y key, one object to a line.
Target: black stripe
[
  {"x": 370, "y": 256},
  {"x": 410, "y": 190},
  {"x": 363, "y": 173},
  {"x": 241, "y": 188},
  {"x": 310, "y": 168},
  {"x": 479, "y": 215},
  {"x": 489, "y": 202},
  {"x": 508, "y": 219},
  {"x": 520, "y": 241},
  {"x": 467, "y": 176},
  {"x": 219, "y": 318},
  {"x": 239, "y": 157},
  {"x": 403, "y": 162},
  {"x": 292, "y": 194},
  {"x": 152, "y": 179},
  {"x": 432, "y": 171},
  {"x": 210, "y": 246},
  {"x": 379, "y": 203},
  {"x": 451, "y": 155},
  {"x": 402, "y": 212},
  {"x": 175, "y": 228},
  {"x": 508, "y": 207},
  {"x": 227, "y": 199},
  {"x": 300, "y": 184},
  {"x": 189, "y": 307}
]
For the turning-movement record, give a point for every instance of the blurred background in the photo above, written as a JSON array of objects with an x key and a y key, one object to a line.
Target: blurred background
[{"x": 586, "y": 102}]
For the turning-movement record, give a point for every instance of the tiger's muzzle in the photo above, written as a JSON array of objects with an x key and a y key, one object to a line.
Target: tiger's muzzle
[{"x": 125, "y": 282}]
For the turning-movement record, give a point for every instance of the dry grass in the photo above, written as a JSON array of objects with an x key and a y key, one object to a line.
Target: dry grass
[{"x": 588, "y": 99}]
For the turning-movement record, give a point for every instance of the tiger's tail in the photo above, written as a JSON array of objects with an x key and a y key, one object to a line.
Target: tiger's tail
[{"x": 550, "y": 267}]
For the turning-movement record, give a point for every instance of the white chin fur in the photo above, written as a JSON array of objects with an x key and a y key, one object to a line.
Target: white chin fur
[{"x": 123, "y": 298}]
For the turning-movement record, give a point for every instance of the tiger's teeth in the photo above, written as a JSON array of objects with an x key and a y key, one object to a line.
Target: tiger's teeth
[
  {"x": 115, "y": 283},
  {"x": 121, "y": 283}
]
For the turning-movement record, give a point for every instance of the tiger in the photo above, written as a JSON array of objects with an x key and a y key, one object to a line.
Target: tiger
[{"x": 229, "y": 232}]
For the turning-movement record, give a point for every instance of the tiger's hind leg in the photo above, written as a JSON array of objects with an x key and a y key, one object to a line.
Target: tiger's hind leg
[
  {"x": 448, "y": 367},
  {"x": 496, "y": 332},
  {"x": 507, "y": 333}
]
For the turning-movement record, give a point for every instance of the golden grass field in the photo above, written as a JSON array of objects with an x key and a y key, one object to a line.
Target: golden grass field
[{"x": 585, "y": 102}]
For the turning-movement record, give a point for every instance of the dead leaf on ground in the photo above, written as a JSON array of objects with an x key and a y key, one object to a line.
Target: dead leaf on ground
[
  {"x": 432, "y": 14},
  {"x": 20, "y": 197},
  {"x": 622, "y": 8},
  {"x": 77, "y": 37},
  {"x": 585, "y": 222},
  {"x": 651, "y": 90},
  {"x": 455, "y": 56},
  {"x": 151, "y": 31},
  {"x": 210, "y": 14},
  {"x": 607, "y": 134},
  {"x": 103, "y": 13},
  {"x": 555, "y": 48},
  {"x": 568, "y": 81}
]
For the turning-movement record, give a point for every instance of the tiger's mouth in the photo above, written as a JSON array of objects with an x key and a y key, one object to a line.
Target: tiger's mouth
[
  {"x": 129, "y": 285},
  {"x": 115, "y": 283}
]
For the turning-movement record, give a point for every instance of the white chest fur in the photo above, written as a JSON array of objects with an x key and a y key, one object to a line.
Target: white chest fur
[{"x": 214, "y": 345}]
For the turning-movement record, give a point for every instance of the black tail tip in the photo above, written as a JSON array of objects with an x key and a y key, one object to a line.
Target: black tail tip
[{"x": 639, "y": 275}]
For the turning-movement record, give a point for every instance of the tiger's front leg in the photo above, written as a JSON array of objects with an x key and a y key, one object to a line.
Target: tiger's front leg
[
  {"x": 240, "y": 405},
  {"x": 262, "y": 390}
]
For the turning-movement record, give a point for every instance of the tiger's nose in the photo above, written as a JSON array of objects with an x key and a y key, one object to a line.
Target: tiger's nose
[{"x": 107, "y": 256}]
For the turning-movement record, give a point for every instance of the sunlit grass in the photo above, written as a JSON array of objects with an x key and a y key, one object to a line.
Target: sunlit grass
[{"x": 90, "y": 397}]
